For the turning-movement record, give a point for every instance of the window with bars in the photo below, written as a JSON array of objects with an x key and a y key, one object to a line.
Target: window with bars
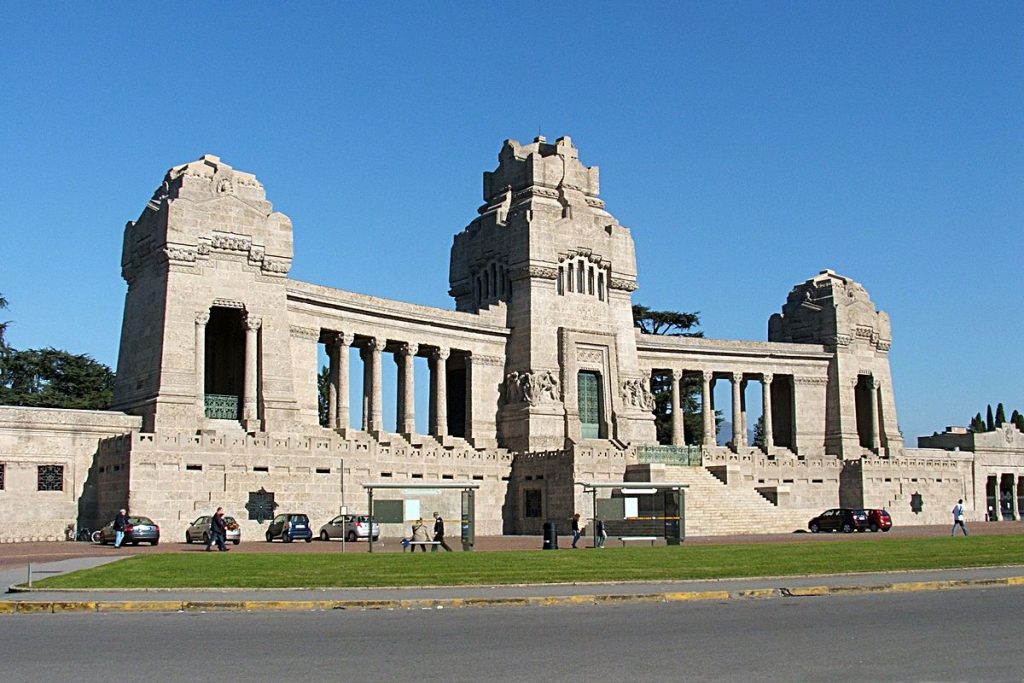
[{"x": 51, "y": 478}]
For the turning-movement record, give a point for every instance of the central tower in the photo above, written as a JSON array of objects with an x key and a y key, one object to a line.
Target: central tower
[{"x": 545, "y": 248}]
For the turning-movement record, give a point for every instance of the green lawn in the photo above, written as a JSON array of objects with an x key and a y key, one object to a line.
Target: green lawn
[{"x": 283, "y": 570}]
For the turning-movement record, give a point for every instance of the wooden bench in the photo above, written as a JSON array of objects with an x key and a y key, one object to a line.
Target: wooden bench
[
  {"x": 409, "y": 546},
  {"x": 624, "y": 539}
]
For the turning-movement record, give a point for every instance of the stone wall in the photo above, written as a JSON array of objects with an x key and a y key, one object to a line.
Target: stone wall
[{"x": 69, "y": 439}]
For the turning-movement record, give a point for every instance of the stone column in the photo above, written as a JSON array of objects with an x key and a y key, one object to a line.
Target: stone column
[
  {"x": 873, "y": 385},
  {"x": 439, "y": 395},
  {"x": 678, "y": 437},
  {"x": 995, "y": 513},
  {"x": 376, "y": 420},
  {"x": 405, "y": 359},
  {"x": 705, "y": 408},
  {"x": 249, "y": 410},
  {"x": 201, "y": 320},
  {"x": 365, "y": 356},
  {"x": 333, "y": 353},
  {"x": 766, "y": 403},
  {"x": 338, "y": 416},
  {"x": 744, "y": 423},
  {"x": 737, "y": 417}
]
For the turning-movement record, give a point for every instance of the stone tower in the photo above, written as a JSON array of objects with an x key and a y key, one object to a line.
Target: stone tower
[
  {"x": 206, "y": 265},
  {"x": 545, "y": 248},
  {"x": 860, "y": 409}
]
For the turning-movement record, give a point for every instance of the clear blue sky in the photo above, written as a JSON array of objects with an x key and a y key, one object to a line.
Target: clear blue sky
[{"x": 748, "y": 146}]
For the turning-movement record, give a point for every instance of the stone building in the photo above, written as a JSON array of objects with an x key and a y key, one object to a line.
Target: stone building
[{"x": 537, "y": 380}]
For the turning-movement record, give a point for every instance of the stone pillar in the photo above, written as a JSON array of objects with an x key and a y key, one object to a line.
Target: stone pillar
[
  {"x": 678, "y": 436},
  {"x": 376, "y": 419},
  {"x": 744, "y": 424},
  {"x": 333, "y": 353},
  {"x": 737, "y": 418},
  {"x": 405, "y": 359},
  {"x": 365, "y": 355},
  {"x": 201, "y": 320},
  {"x": 873, "y": 385},
  {"x": 439, "y": 393},
  {"x": 249, "y": 410},
  {"x": 706, "y": 410},
  {"x": 995, "y": 513},
  {"x": 766, "y": 403},
  {"x": 338, "y": 416}
]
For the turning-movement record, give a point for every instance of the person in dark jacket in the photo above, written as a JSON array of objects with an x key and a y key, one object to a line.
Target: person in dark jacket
[
  {"x": 439, "y": 533},
  {"x": 120, "y": 525},
  {"x": 218, "y": 531}
]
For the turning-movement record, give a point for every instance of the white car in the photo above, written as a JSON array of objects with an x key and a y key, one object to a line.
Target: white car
[{"x": 349, "y": 527}]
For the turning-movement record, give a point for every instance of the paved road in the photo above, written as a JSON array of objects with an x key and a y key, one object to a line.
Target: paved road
[{"x": 966, "y": 635}]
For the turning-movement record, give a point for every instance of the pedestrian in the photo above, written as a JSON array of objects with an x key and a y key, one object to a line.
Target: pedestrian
[
  {"x": 602, "y": 533},
  {"x": 575, "y": 529},
  {"x": 419, "y": 535},
  {"x": 439, "y": 533},
  {"x": 218, "y": 532},
  {"x": 958, "y": 517},
  {"x": 120, "y": 526}
]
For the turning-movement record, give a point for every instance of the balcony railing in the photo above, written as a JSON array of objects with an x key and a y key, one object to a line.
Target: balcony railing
[
  {"x": 221, "y": 407},
  {"x": 669, "y": 455}
]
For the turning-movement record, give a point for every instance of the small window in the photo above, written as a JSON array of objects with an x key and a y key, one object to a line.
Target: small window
[
  {"x": 478, "y": 477},
  {"x": 386, "y": 475},
  {"x": 51, "y": 478},
  {"x": 817, "y": 481},
  {"x": 194, "y": 468},
  {"x": 539, "y": 477},
  {"x": 323, "y": 470},
  {"x": 417, "y": 476},
  {"x": 260, "y": 468},
  {"x": 447, "y": 476},
  {"x": 117, "y": 468},
  {"x": 3, "y": 472}
]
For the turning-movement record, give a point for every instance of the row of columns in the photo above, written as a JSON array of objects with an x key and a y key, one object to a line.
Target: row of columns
[
  {"x": 1015, "y": 493},
  {"x": 739, "y": 415},
  {"x": 338, "y": 409}
]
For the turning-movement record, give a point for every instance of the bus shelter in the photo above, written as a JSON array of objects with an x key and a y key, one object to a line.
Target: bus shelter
[
  {"x": 392, "y": 510},
  {"x": 666, "y": 504}
]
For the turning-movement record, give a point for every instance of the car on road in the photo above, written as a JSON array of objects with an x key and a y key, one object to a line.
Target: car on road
[
  {"x": 199, "y": 530},
  {"x": 839, "y": 519},
  {"x": 290, "y": 526},
  {"x": 139, "y": 530},
  {"x": 879, "y": 519},
  {"x": 350, "y": 527}
]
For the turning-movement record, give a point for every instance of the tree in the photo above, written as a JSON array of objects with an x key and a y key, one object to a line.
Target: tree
[
  {"x": 1000, "y": 415},
  {"x": 323, "y": 383},
  {"x": 51, "y": 378},
  {"x": 759, "y": 432},
  {"x": 674, "y": 324},
  {"x": 977, "y": 424},
  {"x": 1018, "y": 421},
  {"x": 990, "y": 423},
  {"x": 3, "y": 327}
]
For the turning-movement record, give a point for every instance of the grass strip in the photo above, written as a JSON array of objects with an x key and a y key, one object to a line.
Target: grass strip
[{"x": 334, "y": 570}]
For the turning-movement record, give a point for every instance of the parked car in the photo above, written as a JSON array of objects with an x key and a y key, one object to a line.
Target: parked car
[
  {"x": 139, "y": 529},
  {"x": 199, "y": 530},
  {"x": 349, "y": 527},
  {"x": 290, "y": 526},
  {"x": 879, "y": 520},
  {"x": 839, "y": 519}
]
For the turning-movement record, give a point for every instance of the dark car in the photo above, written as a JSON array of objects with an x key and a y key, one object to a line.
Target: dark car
[
  {"x": 879, "y": 520},
  {"x": 839, "y": 519},
  {"x": 290, "y": 526},
  {"x": 138, "y": 530}
]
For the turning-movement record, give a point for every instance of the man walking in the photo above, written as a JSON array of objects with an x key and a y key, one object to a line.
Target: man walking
[
  {"x": 439, "y": 534},
  {"x": 218, "y": 531},
  {"x": 958, "y": 517},
  {"x": 120, "y": 525}
]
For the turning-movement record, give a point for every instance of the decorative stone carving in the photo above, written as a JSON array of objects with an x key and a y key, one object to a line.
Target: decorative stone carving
[
  {"x": 179, "y": 254},
  {"x": 408, "y": 349},
  {"x": 253, "y": 323},
  {"x": 228, "y": 303},
  {"x": 590, "y": 356},
  {"x": 202, "y": 318},
  {"x": 479, "y": 359},
  {"x": 636, "y": 393},
  {"x": 623, "y": 284},
  {"x": 441, "y": 353},
  {"x": 531, "y": 388},
  {"x": 805, "y": 379},
  {"x": 307, "y": 333}
]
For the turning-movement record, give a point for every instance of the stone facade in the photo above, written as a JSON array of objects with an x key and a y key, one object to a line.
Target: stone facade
[{"x": 537, "y": 380}]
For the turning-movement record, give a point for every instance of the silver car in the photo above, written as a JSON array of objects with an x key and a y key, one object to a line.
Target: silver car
[
  {"x": 199, "y": 530},
  {"x": 349, "y": 527}
]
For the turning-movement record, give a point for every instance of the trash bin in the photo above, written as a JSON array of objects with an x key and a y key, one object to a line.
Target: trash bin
[{"x": 550, "y": 536}]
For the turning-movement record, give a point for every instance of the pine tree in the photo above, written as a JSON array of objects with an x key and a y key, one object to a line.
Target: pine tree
[
  {"x": 977, "y": 424},
  {"x": 1000, "y": 415},
  {"x": 51, "y": 378},
  {"x": 990, "y": 423}
]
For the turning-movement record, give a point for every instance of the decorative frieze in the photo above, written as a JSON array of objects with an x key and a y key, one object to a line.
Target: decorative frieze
[
  {"x": 635, "y": 392},
  {"x": 307, "y": 333},
  {"x": 530, "y": 387},
  {"x": 622, "y": 284}
]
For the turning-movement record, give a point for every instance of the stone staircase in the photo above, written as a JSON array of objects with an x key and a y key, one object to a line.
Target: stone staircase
[{"x": 717, "y": 509}]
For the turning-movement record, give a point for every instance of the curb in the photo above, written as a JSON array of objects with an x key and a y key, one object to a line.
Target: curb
[{"x": 200, "y": 606}]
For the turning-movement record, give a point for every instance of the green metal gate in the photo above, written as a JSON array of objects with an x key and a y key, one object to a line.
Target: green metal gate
[{"x": 588, "y": 389}]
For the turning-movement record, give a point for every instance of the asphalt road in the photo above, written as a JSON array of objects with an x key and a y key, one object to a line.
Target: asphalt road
[{"x": 964, "y": 635}]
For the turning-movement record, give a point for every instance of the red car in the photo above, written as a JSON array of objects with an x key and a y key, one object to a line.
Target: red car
[{"x": 879, "y": 519}]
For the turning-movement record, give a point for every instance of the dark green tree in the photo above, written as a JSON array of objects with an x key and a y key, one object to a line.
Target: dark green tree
[
  {"x": 323, "y": 383},
  {"x": 1000, "y": 415},
  {"x": 3, "y": 326},
  {"x": 673, "y": 324},
  {"x": 51, "y": 378},
  {"x": 759, "y": 432},
  {"x": 990, "y": 423},
  {"x": 977, "y": 424},
  {"x": 1018, "y": 420}
]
